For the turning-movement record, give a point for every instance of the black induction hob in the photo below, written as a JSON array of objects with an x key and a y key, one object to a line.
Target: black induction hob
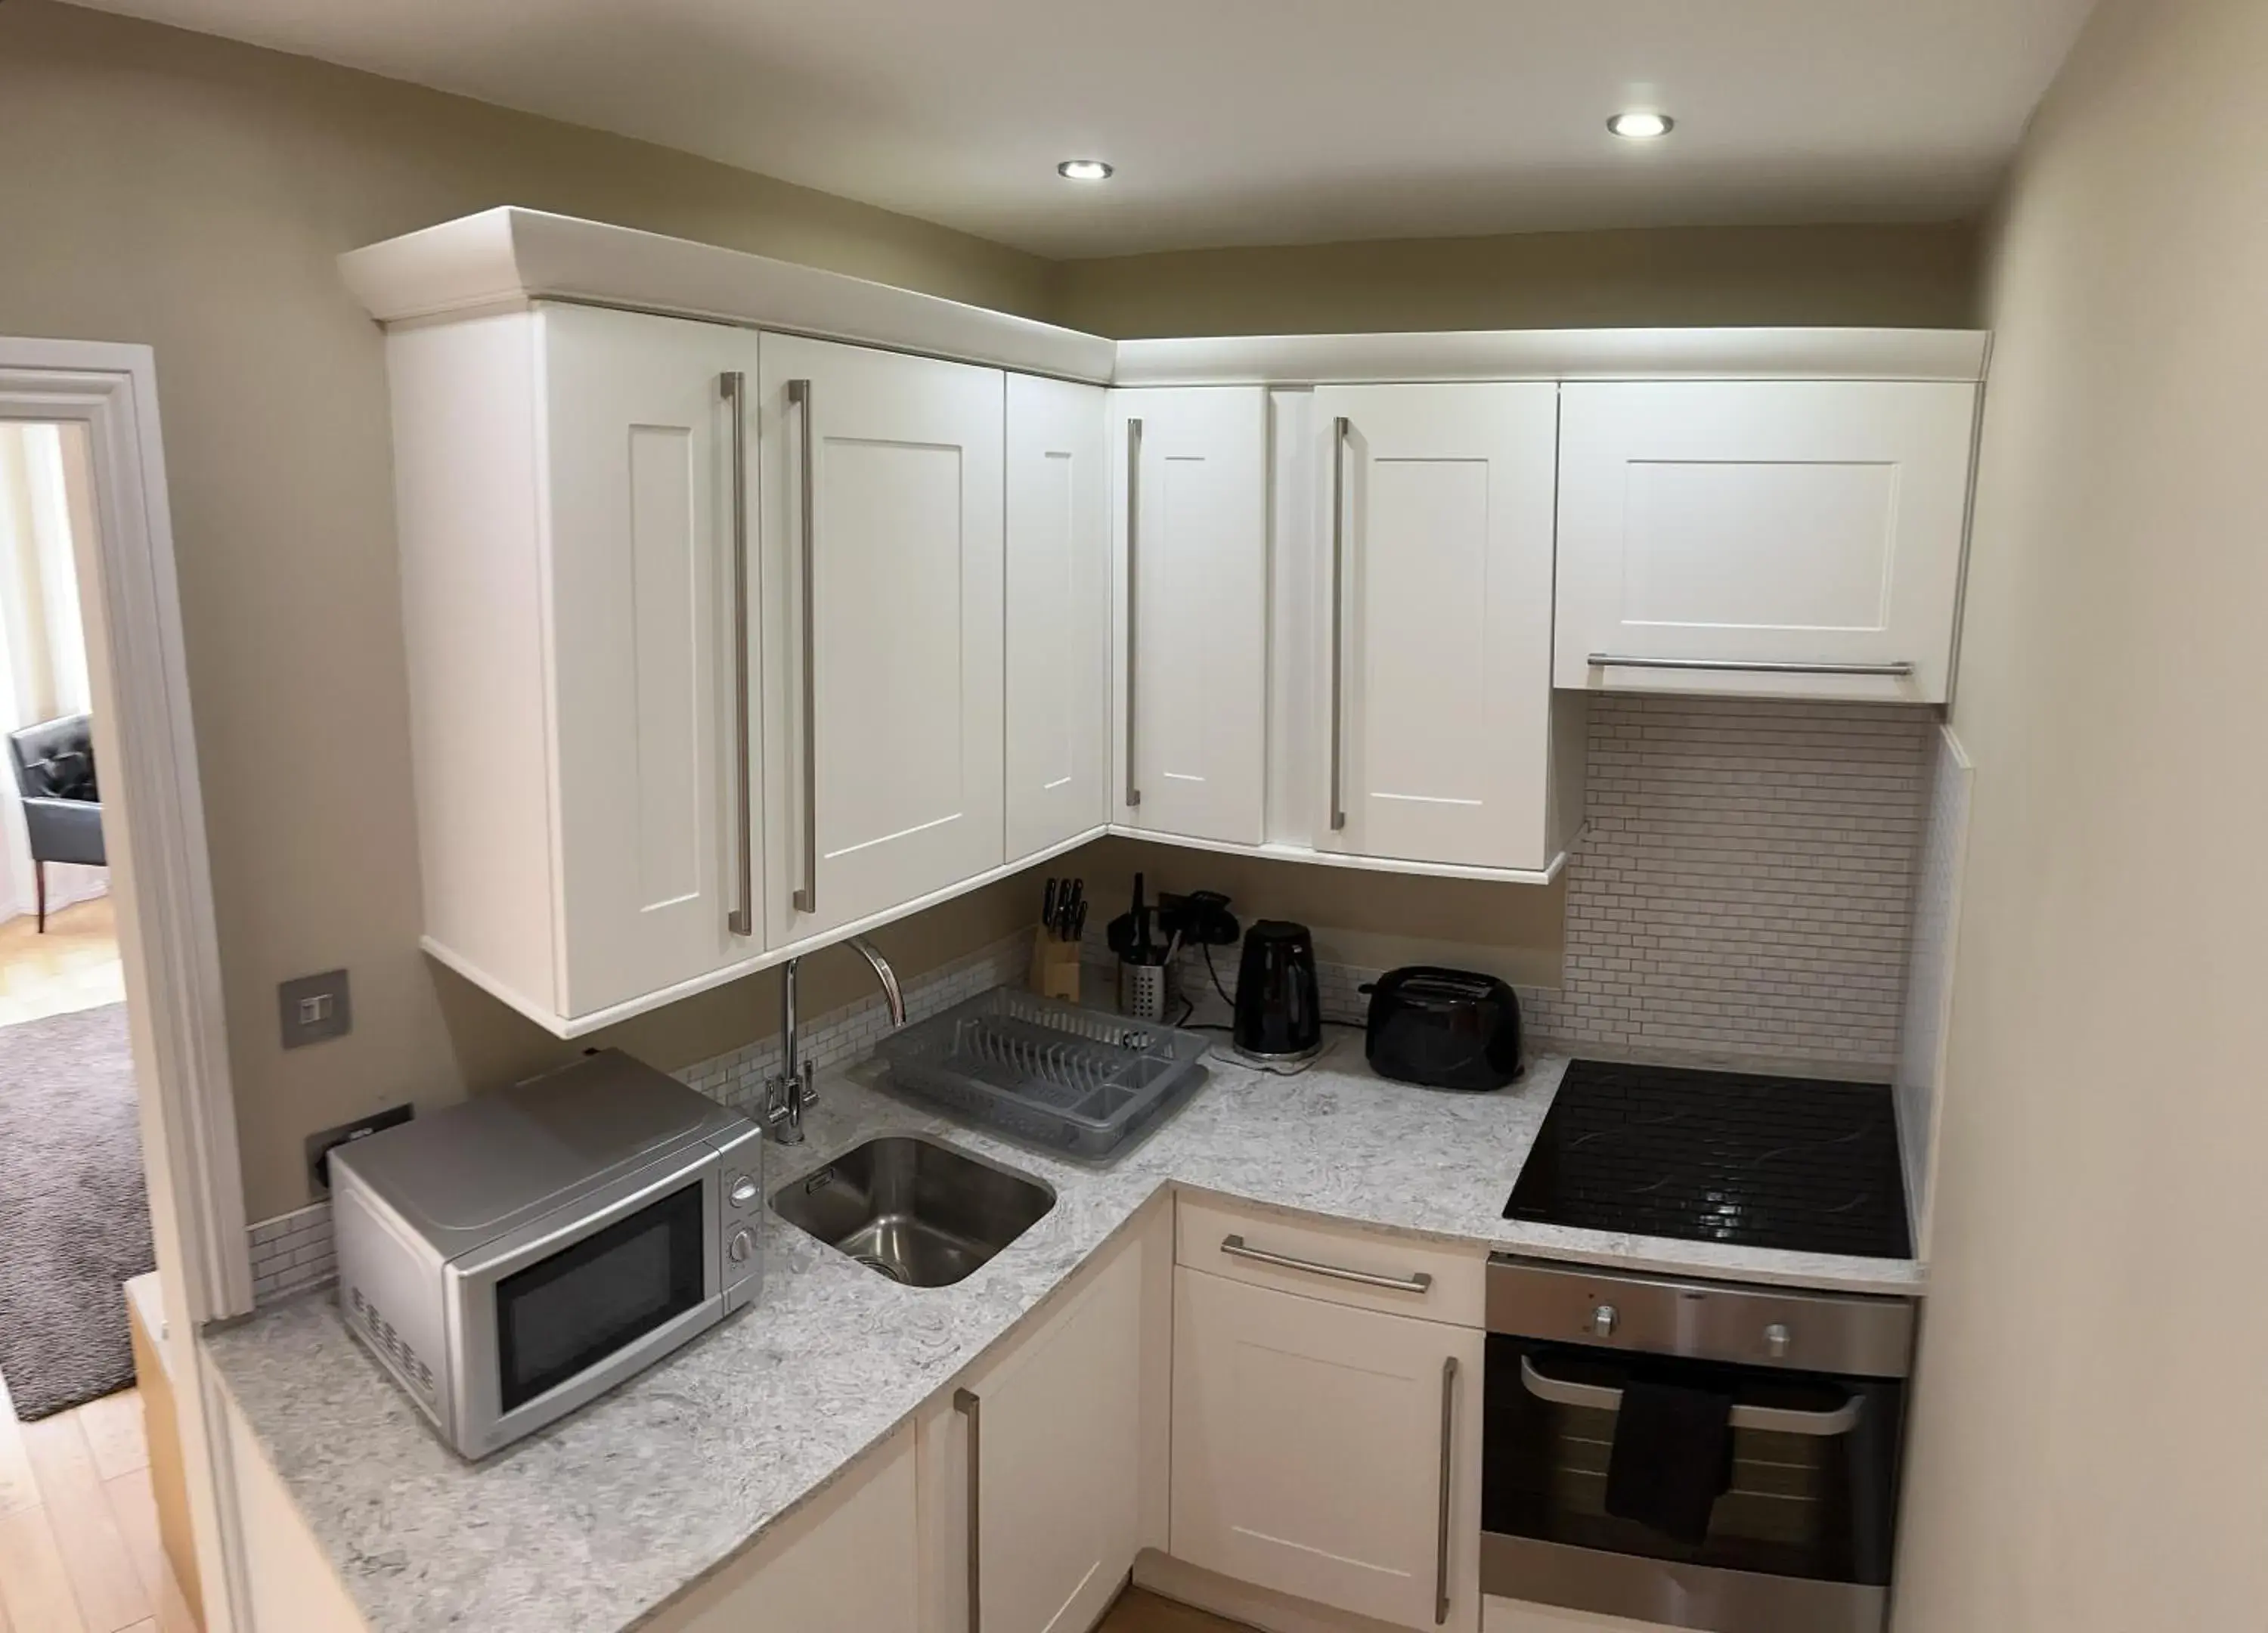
[{"x": 1720, "y": 1156}]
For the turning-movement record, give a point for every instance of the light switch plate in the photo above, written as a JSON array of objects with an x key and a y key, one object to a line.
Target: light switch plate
[{"x": 312, "y": 1008}]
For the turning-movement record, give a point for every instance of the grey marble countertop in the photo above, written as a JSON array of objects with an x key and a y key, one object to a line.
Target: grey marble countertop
[{"x": 591, "y": 1524}]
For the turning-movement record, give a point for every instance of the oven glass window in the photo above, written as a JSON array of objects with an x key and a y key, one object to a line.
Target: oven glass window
[
  {"x": 1814, "y": 1498},
  {"x": 574, "y": 1310}
]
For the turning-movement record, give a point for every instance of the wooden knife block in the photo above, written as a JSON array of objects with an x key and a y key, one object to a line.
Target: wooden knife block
[{"x": 1055, "y": 967}]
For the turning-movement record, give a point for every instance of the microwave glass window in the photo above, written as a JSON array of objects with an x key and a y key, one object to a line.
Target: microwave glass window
[{"x": 574, "y": 1310}]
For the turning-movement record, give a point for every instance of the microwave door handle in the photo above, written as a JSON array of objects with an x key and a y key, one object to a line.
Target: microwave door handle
[{"x": 1766, "y": 1419}]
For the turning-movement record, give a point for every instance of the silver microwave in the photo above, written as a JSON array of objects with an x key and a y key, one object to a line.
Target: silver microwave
[{"x": 510, "y": 1258}]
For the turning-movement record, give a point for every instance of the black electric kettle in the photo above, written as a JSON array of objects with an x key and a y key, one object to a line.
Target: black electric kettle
[{"x": 1278, "y": 1006}]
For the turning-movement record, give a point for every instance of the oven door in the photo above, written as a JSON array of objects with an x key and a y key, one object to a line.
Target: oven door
[
  {"x": 1800, "y": 1541},
  {"x": 556, "y": 1315}
]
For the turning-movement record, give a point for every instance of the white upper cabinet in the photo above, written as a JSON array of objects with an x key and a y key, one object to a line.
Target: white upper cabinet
[
  {"x": 1059, "y": 613},
  {"x": 1435, "y": 515},
  {"x": 1795, "y": 538},
  {"x": 1191, "y": 687},
  {"x": 882, "y": 493},
  {"x": 564, "y": 484}
]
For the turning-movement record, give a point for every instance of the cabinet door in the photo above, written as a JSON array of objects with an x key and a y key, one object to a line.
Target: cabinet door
[
  {"x": 1812, "y": 523},
  {"x": 1436, "y": 518},
  {"x": 848, "y": 1563},
  {"x": 1059, "y": 633},
  {"x": 635, "y": 485},
  {"x": 1058, "y": 1432},
  {"x": 1192, "y": 640},
  {"x": 883, "y": 691},
  {"x": 1310, "y": 1442}
]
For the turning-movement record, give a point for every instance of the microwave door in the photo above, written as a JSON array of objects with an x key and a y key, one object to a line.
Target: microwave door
[{"x": 550, "y": 1319}]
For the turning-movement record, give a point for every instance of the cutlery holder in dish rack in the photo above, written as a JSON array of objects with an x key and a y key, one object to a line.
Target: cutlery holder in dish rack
[{"x": 1074, "y": 1080}]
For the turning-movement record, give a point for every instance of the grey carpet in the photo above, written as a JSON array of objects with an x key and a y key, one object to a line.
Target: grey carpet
[{"x": 74, "y": 1215}]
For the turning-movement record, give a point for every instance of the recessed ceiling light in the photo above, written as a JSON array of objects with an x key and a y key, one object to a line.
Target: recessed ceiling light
[
  {"x": 1084, "y": 169},
  {"x": 1636, "y": 127}
]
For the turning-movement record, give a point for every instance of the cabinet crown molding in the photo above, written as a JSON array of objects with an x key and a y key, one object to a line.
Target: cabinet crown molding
[{"x": 508, "y": 257}]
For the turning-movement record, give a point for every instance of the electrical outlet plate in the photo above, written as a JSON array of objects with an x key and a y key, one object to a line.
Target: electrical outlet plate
[
  {"x": 312, "y": 1008},
  {"x": 320, "y": 1145}
]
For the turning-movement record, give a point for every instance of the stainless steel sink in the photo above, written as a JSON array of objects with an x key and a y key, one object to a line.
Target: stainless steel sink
[{"x": 914, "y": 1211}]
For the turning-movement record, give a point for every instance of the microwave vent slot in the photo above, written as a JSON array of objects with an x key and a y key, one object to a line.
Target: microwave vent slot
[{"x": 392, "y": 1345}]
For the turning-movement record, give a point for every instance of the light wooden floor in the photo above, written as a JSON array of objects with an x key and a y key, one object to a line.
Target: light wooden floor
[
  {"x": 73, "y": 966},
  {"x": 78, "y": 1527},
  {"x": 1137, "y": 1612}
]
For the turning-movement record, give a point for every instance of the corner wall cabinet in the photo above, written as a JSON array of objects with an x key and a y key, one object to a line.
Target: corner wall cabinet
[
  {"x": 1192, "y": 626},
  {"x": 815, "y": 602},
  {"x": 1793, "y": 538}
]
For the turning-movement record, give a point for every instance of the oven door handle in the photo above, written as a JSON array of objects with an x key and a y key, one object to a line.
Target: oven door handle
[{"x": 1766, "y": 1419}]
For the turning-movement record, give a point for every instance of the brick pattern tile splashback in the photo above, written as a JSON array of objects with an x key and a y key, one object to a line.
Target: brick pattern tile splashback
[{"x": 1742, "y": 887}]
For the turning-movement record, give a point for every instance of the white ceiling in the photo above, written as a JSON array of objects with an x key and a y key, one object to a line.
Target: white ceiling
[{"x": 1236, "y": 121}]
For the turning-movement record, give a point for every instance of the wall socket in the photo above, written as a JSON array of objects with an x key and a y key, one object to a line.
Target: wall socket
[
  {"x": 312, "y": 1008},
  {"x": 320, "y": 1145}
]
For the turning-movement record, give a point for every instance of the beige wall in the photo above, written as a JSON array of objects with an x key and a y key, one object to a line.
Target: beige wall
[
  {"x": 2090, "y": 1454},
  {"x": 164, "y": 187},
  {"x": 1919, "y": 277}
]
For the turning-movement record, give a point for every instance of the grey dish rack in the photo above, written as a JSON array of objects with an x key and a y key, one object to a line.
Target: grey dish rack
[{"x": 1075, "y": 1080}]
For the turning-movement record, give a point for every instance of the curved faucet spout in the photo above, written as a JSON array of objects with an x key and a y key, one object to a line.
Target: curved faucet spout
[{"x": 884, "y": 973}]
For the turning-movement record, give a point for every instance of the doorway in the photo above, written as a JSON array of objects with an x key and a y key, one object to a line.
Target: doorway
[{"x": 79, "y": 1534}]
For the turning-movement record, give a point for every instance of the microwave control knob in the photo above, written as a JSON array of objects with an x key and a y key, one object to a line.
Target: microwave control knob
[
  {"x": 743, "y": 1244},
  {"x": 1776, "y": 1340},
  {"x": 744, "y": 1191},
  {"x": 1604, "y": 1320}
]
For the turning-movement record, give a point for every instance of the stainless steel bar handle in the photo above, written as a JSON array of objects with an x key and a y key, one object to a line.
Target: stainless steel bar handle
[
  {"x": 1748, "y": 665},
  {"x": 1418, "y": 1283},
  {"x": 741, "y": 919},
  {"x": 1769, "y": 1419},
  {"x": 1449, "y": 1452},
  {"x": 806, "y": 894},
  {"x": 1133, "y": 582},
  {"x": 966, "y": 1403},
  {"x": 1340, "y": 429}
]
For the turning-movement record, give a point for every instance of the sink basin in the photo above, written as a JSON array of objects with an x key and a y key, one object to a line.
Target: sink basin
[{"x": 912, "y": 1209}]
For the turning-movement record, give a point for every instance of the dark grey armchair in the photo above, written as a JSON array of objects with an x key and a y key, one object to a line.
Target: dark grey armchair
[{"x": 62, "y": 807}]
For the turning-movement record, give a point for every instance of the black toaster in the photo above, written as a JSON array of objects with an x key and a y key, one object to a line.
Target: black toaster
[{"x": 1446, "y": 1028}]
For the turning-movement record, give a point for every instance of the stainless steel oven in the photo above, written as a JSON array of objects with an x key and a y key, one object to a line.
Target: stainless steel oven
[{"x": 1799, "y": 1541}]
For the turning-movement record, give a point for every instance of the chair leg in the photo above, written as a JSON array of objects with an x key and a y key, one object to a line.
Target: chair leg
[{"x": 39, "y": 872}]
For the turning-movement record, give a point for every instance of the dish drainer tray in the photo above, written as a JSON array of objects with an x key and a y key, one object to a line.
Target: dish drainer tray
[{"x": 1075, "y": 1080}]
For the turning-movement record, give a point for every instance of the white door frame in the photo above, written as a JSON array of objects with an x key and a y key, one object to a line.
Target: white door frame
[{"x": 154, "y": 831}]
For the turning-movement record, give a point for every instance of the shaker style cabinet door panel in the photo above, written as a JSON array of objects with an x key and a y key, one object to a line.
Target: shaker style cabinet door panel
[
  {"x": 1775, "y": 539},
  {"x": 636, "y": 464},
  {"x": 1312, "y": 1445},
  {"x": 882, "y": 593},
  {"x": 1436, "y": 521},
  {"x": 1190, "y": 690},
  {"x": 1058, "y": 629}
]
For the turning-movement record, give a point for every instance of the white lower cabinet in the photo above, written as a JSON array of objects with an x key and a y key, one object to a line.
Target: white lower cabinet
[
  {"x": 1056, "y": 1429},
  {"x": 1312, "y": 1442},
  {"x": 848, "y": 1563}
]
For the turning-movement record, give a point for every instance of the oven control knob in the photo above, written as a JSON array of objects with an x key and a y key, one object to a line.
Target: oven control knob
[
  {"x": 743, "y": 1244},
  {"x": 1604, "y": 1320},
  {"x": 1776, "y": 1340},
  {"x": 743, "y": 1192}
]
